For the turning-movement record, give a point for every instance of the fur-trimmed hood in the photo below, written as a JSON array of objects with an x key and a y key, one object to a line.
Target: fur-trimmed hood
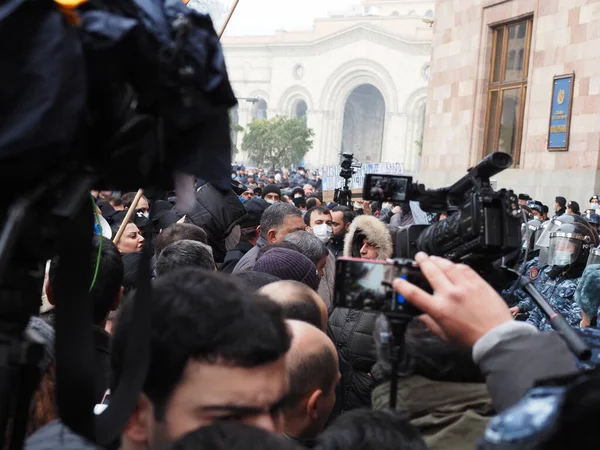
[{"x": 375, "y": 231}]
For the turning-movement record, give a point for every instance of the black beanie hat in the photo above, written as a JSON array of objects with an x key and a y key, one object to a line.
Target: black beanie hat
[
  {"x": 271, "y": 188},
  {"x": 288, "y": 264}
]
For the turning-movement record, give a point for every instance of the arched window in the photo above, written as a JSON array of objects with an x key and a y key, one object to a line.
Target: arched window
[
  {"x": 260, "y": 109},
  {"x": 395, "y": 13},
  {"x": 429, "y": 13},
  {"x": 300, "y": 109},
  {"x": 412, "y": 12}
]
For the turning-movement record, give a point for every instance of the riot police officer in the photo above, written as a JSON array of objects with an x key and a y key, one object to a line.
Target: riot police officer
[
  {"x": 518, "y": 300},
  {"x": 592, "y": 218},
  {"x": 569, "y": 249}
]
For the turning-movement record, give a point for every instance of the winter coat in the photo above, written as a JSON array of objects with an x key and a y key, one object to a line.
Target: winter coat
[
  {"x": 351, "y": 329},
  {"x": 374, "y": 231},
  {"x": 352, "y": 332},
  {"x": 449, "y": 415},
  {"x": 234, "y": 256},
  {"x": 248, "y": 260},
  {"x": 218, "y": 214}
]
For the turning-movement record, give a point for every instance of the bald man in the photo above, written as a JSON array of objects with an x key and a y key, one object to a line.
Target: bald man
[
  {"x": 299, "y": 302},
  {"x": 313, "y": 370}
]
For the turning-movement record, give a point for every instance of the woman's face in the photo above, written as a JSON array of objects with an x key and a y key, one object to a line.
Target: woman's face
[
  {"x": 367, "y": 251},
  {"x": 132, "y": 240}
]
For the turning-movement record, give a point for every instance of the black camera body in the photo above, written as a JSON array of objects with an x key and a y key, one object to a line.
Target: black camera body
[{"x": 483, "y": 225}]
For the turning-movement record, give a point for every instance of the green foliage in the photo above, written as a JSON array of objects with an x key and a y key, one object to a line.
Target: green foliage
[{"x": 278, "y": 142}]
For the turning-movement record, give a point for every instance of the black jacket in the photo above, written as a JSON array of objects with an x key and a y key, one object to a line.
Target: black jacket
[
  {"x": 336, "y": 247},
  {"x": 234, "y": 255},
  {"x": 217, "y": 214},
  {"x": 102, "y": 360},
  {"x": 352, "y": 332}
]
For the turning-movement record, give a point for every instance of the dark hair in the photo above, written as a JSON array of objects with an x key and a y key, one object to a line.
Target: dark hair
[
  {"x": 178, "y": 232},
  {"x": 128, "y": 198},
  {"x": 255, "y": 280},
  {"x": 109, "y": 278},
  {"x": 308, "y": 244},
  {"x": 264, "y": 249},
  {"x": 184, "y": 253},
  {"x": 234, "y": 436},
  {"x": 319, "y": 209},
  {"x": 348, "y": 213},
  {"x": 311, "y": 202},
  {"x": 316, "y": 368},
  {"x": 364, "y": 429},
  {"x": 205, "y": 317},
  {"x": 248, "y": 234},
  {"x": 131, "y": 262},
  {"x": 275, "y": 215},
  {"x": 431, "y": 357},
  {"x": 114, "y": 201}
]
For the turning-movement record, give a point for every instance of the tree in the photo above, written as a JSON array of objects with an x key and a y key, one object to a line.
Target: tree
[{"x": 277, "y": 142}]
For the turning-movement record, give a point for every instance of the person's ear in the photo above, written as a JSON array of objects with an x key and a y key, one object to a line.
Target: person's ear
[
  {"x": 312, "y": 404},
  {"x": 347, "y": 227},
  {"x": 272, "y": 236},
  {"x": 309, "y": 229},
  {"x": 117, "y": 301},
  {"x": 139, "y": 426}
]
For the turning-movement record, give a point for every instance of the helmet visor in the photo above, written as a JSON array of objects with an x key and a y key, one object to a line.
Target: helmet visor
[
  {"x": 564, "y": 248},
  {"x": 594, "y": 257},
  {"x": 544, "y": 240}
]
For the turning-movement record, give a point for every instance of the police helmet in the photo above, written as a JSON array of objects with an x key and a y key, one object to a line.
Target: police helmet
[
  {"x": 592, "y": 218},
  {"x": 570, "y": 244},
  {"x": 544, "y": 240},
  {"x": 528, "y": 231}
]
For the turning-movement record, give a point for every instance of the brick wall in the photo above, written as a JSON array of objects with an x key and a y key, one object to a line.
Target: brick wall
[{"x": 566, "y": 38}]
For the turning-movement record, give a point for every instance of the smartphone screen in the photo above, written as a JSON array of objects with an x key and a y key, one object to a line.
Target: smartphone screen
[
  {"x": 367, "y": 285},
  {"x": 386, "y": 187}
]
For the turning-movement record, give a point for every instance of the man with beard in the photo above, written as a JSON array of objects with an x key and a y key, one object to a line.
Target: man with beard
[{"x": 341, "y": 218}]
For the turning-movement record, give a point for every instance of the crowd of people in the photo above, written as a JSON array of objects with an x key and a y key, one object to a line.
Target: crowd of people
[{"x": 250, "y": 350}]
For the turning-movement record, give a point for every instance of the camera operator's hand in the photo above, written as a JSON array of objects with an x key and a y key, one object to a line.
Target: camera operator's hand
[
  {"x": 514, "y": 310},
  {"x": 463, "y": 307}
]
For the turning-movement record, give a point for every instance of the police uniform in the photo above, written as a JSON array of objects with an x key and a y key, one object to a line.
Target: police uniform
[
  {"x": 518, "y": 297},
  {"x": 558, "y": 292}
]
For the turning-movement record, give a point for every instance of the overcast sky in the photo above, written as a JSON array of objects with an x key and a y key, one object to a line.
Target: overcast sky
[{"x": 259, "y": 17}]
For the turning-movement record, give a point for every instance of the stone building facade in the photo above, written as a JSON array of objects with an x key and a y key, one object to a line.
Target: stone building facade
[
  {"x": 473, "y": 111},
  {"x": 359, "y": 77}
]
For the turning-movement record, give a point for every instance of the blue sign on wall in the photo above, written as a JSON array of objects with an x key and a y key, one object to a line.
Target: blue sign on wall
[{"x": 560, "y": 114}]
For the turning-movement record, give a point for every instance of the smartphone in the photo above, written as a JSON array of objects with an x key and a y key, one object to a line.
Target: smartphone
[
  {"x": 367, "y": 285},
  {"x": 393, "y": 188}
]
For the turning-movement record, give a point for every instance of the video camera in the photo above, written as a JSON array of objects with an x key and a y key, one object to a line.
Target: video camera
[{"x": 483, "y": 225}]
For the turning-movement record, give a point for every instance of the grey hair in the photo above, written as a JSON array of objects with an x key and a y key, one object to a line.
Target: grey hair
[
  {"x": 308, "y": 244},
  {"x": 274, "y": 216},
  {"x": 184, "y": 253}
]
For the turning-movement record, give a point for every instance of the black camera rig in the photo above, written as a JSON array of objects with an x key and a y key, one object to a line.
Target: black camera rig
[
  {"x": 483, "y": 225},
  {"x": 343, "y": 195}
]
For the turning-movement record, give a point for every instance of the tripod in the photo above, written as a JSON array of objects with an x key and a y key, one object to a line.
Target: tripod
[{"x": 343, "y": 195}]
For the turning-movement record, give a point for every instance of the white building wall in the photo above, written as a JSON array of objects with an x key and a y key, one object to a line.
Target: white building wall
[{"x": 331, "y": 68}]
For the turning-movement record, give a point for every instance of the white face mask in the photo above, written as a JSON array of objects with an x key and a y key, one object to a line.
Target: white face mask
[
  {"x": 562, "y": 259},
  {"x": 323, "y": 232},
  {"x": 594, "y": 206},
  {"x": 272, "y": 202},
  {"x": 386, "y": 206}
]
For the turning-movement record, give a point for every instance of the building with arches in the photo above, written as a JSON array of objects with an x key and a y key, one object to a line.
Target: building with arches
[{"x": 359, "y": 78}]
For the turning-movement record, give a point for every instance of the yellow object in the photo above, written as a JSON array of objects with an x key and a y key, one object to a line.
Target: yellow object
[{"x": 70, "y": 4}]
